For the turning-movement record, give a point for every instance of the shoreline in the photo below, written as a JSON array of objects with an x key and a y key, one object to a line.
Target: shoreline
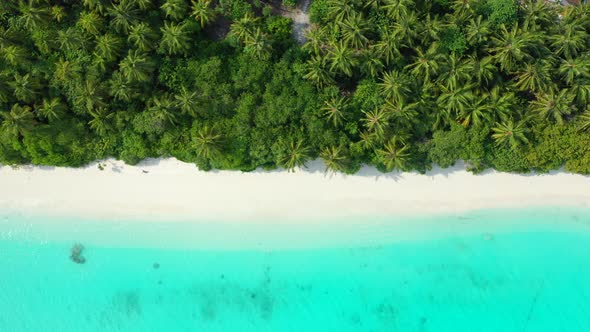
[{"x": 167, "y": 189}]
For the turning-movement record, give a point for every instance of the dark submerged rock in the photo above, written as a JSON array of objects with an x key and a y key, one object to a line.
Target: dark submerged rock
[
  {"x": 76, "y": 254},
  {"x": 156, "y": 266}
]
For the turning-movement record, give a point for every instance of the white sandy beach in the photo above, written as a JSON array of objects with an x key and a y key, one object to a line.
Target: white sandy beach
[{"x": 170, "y": 189}]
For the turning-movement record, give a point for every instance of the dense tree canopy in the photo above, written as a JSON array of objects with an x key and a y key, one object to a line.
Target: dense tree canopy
[{"x": 398, "y": 84}]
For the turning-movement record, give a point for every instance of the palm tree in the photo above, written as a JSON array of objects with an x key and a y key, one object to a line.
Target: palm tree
[
  {"x": 335, "y": 110},
  {"x": 100, "y": 120},
  {"x": 573, "y": 69},
  {"x": 553, "y": 106},
  {"x": 163, "y": 108},
  {"x": 509, "y": 133},
  {"x": 90, "y": 22},
  {"x": 397, "y": 9},
  {"x": 143, "y": 4},
  {"x": 258, "y": 45},
  {"x": 406, "y": 29},
  {"x": 108, "y": 46},
  {"x": 243, "y": 28},
  {"x": 188, "y": 102},
  {"x": 295, "y": 155},
  {"x": 501, "y": 103},
  {"x": 142, "y": 36},
  {"x": 584, "y": 121},
  {"x": 572, "y": 39},
  {"x": 394, "y": 155},
  {"x": 97, "y": 5},
  {"x": 537, "y": 14},
  {"x": 477, "y": 31},
  {"x": 19, "y": 121},
  {"x": 371, "y": 63},
  {"x": 202, "y": 11},
  {"x": 426, "y": 64},
  {"x": 51, "y": 109},
  {"x": 15, "y": 55},
  {"x": 334, "y": 159},
  {"x": 174, "y": 9},
  {"x": 395, "y": 86},
  {"x": 66, "y": 71},
  {"x": 376, "y": 121},
  {"x": 341, "y": 58},
  {"x": 316, "y": 71},
  {"x": 534, "y": 77},
  {"x": 25, "y": 87},
  {"x": 338, "y": 10},
  {"x": 124, "y": 15},
  {"x": 137, "y": 66},
  {"x": 403, "y": 114},
  {"x": 89, "y": 95},
  {"x": 317, "y": 39},
  {"x": 120, "y": 88},
  {"x": 511, "y": 47},
  {"x": 454, "y": 72},
  {"x": 482, "y": 69},
  {"x": 208, "y": 142},
  {"x": 175, "y": 38},
  {"x": 32, "y": 17},
  {"x": 354, "y": 29},
  {"x": 70, "y": 39},
  {"x": 456, "y": 100},
  {"x": 388, "y": 46},
  {"x": 475, "y": 115}
]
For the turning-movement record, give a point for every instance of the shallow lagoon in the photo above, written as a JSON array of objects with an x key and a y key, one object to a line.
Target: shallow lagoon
[{"x": 494, "y": 270}]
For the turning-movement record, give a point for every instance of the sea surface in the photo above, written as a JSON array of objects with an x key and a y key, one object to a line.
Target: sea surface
[{"x": 492, "y": 270}]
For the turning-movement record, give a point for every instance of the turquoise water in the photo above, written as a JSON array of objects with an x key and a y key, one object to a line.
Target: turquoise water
[{"x": 496, "y": 270}]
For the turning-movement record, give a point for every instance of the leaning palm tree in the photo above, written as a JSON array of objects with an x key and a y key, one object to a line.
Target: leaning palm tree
[
  {"x": 335, "y": 110},
  {"x": 175, "y": 38},
  {"x": 208, "y": 142},
  {"x": 202, "y": 11},
  {"x": 553, "y": 105},
  {"x": 394, "y": 155},
  {"x": 243, "y": 28},
  {"x": 509, "y": 133},
  {"x": 295, "y": 155},
  {"x": 334, "y": 159},
  {"x": 137, "y": 67},
  {"x": 18, "y": 121}
]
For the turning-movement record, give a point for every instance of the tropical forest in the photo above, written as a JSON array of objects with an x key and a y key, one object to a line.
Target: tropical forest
[{"x": 225, "y": 84}]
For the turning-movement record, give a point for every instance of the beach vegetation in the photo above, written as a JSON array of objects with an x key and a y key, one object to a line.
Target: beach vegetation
[{"x": 399, "y": 85}]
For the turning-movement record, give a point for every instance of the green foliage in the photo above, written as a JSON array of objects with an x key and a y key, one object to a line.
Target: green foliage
[
  {"x": 393, "y": 84},
  {"x": 453, "y": 40}
]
